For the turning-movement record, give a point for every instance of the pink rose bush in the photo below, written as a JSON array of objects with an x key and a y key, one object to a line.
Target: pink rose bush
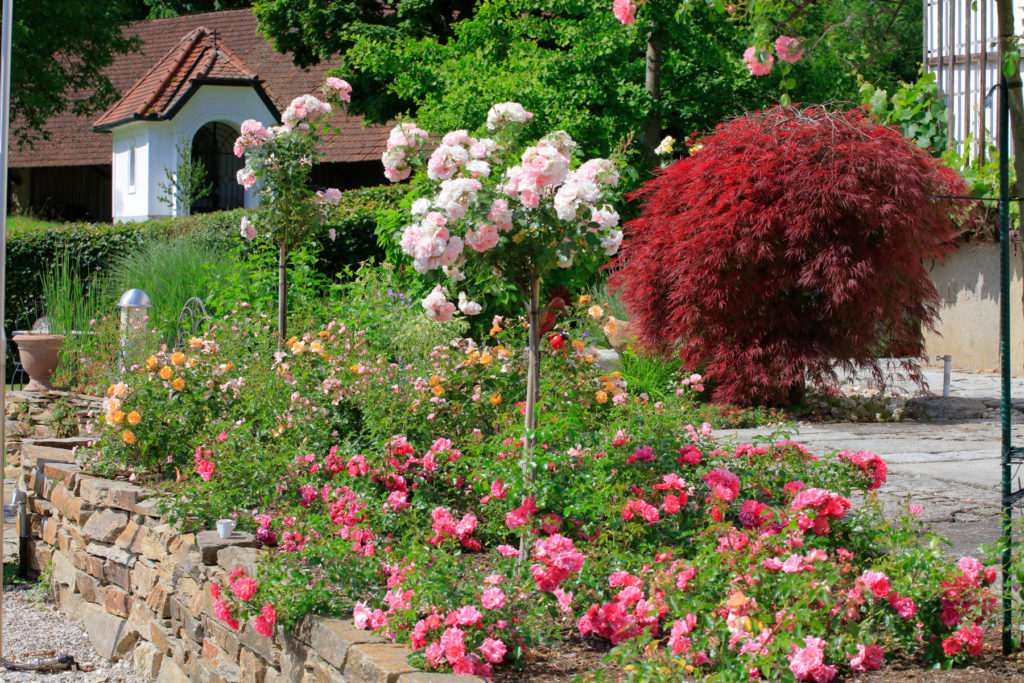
[
  {"x": 388, "y": 488},
  {"x": 278, "y": 160},
  {"x": 500, "y": 200}
]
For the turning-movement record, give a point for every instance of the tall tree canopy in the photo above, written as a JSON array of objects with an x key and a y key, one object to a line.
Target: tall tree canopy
[
  {"x": 59, "y": 51},
  {"x": 575, "y": 65}
]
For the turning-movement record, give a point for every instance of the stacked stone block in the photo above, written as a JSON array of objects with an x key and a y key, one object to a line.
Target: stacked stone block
[{"x": 141, "y": 589}]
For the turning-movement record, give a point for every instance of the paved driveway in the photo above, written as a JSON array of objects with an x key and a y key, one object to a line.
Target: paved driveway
[{"x": 950, "y": 468}]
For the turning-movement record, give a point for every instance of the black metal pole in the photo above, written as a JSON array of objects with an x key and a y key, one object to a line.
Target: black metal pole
[{"x": 1004, "y": 350}]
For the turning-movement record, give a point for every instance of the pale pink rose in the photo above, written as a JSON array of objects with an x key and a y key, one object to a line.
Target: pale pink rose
[
  {"x": 504, "y": 113},
  {"x": 868, "y": 658},
  {"x": 756, "y": 66},
  {"x": 789, "y": 49},
  {"x": 340, "y": 87},
  {"x": 247, "y": 229},
  {"x": 624, "y": 11},
  {"x": 492, "y": 598},
  {"x": 493, "y": 650}
]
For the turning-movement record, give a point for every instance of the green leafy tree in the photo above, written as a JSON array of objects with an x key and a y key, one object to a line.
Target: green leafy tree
[
  {"x": 162, "y": 9},
  {"x": 574, "y": 64},
  {"x": 187, "y": 182},
  {"x": 59, "y": 51}
]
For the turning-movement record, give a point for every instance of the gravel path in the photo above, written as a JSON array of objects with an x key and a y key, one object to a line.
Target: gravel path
[{"x": 34, "y": 626}]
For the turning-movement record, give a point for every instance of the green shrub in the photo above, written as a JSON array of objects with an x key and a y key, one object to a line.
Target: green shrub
[
  {"x": 32, "y": 247},
  {"x": 95, "y": 246}
]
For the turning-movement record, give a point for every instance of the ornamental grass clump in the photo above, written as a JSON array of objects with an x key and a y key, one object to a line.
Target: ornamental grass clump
[{"x": 791, "y": 239}]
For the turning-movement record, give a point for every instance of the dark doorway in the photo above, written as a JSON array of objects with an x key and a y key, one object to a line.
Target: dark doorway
[{"x": 213, "y": 145}]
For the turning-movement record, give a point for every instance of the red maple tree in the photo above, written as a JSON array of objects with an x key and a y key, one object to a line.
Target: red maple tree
[{"x": 793, "y": 240}]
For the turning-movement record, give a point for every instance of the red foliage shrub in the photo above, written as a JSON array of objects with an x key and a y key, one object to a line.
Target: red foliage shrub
[{"x": 792, "y": 238}]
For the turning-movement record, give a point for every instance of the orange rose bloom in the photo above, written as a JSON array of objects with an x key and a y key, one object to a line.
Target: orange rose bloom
[
  {"x": 134, "y": 417},
  {"x": 128, "y": 437},
  {"x": 496, "y": 398},
  {"x": 178, "y": 384},
  {"x": 166, "y": 372},
  {"x": 602, "y": 397},
  {"x": 178, "y": 358}
]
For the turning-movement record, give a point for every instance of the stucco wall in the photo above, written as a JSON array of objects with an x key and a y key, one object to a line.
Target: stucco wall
[
  {"x": 968, "y": 284},
  {"x": 156, "y": 147}
]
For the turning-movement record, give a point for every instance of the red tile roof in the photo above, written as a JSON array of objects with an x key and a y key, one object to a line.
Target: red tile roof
[{"x": 219, "y": 45}]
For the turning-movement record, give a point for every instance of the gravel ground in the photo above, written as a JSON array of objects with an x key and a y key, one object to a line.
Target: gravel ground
[{"x": 33, "y": 626}]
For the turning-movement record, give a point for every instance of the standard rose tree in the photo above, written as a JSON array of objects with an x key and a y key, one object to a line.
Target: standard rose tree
[
  {"x": 513, "y": 207},
  {"x": 278, "y": 161}
]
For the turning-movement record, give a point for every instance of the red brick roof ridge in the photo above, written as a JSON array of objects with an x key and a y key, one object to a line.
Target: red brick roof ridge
[{"x": 73, "y": 144}]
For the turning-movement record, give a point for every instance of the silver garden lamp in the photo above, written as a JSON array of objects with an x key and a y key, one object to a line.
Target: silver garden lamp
[{"x": 134, "y": 305}]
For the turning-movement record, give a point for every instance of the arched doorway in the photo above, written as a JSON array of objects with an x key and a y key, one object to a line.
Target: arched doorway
[{"x": 213, "y": 146}]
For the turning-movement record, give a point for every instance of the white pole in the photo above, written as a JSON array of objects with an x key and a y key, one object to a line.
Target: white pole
[{"x": 5, "y": 119}]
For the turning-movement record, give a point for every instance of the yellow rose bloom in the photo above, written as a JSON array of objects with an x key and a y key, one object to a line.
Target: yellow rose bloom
[
  {"x": 128, "y": 437},
  {"x": 166, "y": 372},
  {"x": 177, "y": 358},
  {"x": 134, "y": 417},
  {"x": 595, "y": 312},
  {"x": 601, "y": 397},
  {"x": 178, "y": 384}
]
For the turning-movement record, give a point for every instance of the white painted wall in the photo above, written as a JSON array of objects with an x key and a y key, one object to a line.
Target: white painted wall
[
  {"x": 968, "y": 326},
  {"x": 156, "y": 147}
]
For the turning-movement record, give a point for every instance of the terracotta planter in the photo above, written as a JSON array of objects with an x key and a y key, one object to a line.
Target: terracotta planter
[{"x": 39, "y": 356}]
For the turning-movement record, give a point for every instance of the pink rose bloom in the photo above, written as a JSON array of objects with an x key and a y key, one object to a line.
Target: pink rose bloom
[
  {"x": 755, "y": 65},
  {"x": 361, "y": 615},
  {"x": 564, "y": 600},
  {"x": 493, "y": 650},
  {"x": 434, "y": 654},
  {"x": 453, "y": 642},
  {"x": 339, "y": 86},
  {"x": 263, "y": 627},
  {"x": 244, "y": 588},
  {"x": 205, "y": 469},
  {"x": 868, "y": 658},
  {"x": 971, "y": 568},
  {"x": 903, "y": 605},
  {"x": 808, "y": 663},
  {"x": 624, "y": 11},
  {"x": 493, "y": 598},
  {"x": 789, "y": 49},
  {"x": 915, "y": 509},
  {"x": 269, "y": 613},
  {"x": 506, "y": 550},
  {"x": 465, "y": 616},
  {"x": 877, "y": 582}
]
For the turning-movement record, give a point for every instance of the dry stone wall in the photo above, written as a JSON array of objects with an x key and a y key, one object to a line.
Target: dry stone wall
[{"x": 140, "y": 588}]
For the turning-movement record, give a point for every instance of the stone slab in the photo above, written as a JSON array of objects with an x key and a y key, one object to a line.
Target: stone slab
[{"x": 210, "y": 543}]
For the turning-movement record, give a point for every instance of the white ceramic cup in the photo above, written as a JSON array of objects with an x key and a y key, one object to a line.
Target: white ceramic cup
[{"x": 225, "y": 527}]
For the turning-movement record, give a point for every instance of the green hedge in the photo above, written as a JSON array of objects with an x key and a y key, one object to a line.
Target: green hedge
[{"x": 31, "y": 246}]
